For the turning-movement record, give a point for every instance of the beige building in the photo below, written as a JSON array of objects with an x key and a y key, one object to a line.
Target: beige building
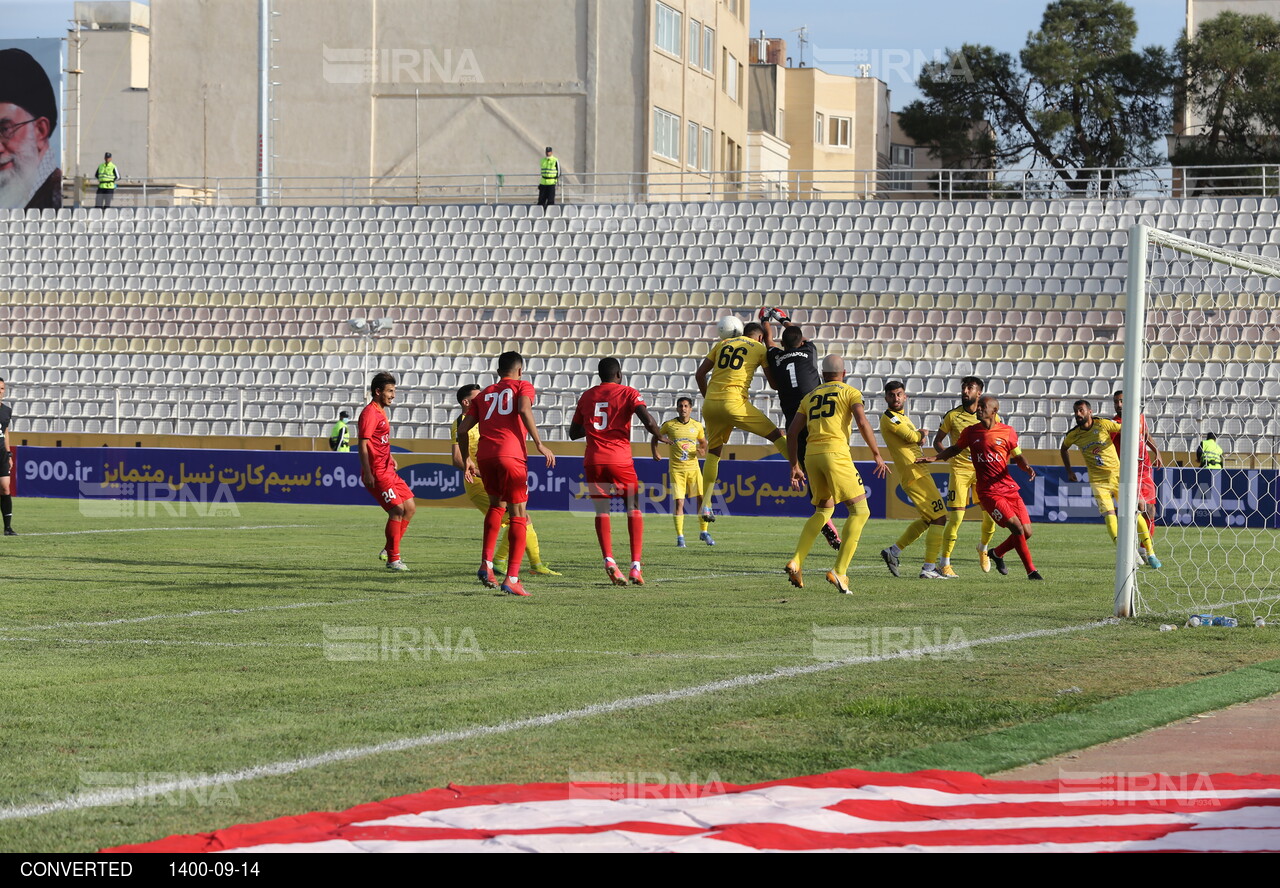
[
  {"x": 107, "y": 101},
  {"x": 400, "y": 91}
]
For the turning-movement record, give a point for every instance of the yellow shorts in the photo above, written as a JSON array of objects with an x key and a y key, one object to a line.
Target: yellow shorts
[
  {"x": 832, "y": 476},
  {"x": 1105, "y": 490},
  {"x": 720, "y": 418},
  {"x": 477, "y": 495},
  {"x": 685, "y": 483},
  {"x": 925, "y": 497},
  {"x": 961, "y": 491}
]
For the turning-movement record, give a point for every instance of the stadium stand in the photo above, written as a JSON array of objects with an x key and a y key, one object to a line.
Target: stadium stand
[{"x": 234, "y": 320}]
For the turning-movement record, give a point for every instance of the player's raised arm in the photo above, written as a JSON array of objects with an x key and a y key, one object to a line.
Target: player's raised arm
[
  {"x": 1156, "y": 462},
  {"x": 939, "y": 442},
  {"x": 525, "y": 410},
  {"x": 462, "y": 446},
  {"x": 652, "y": 427},
  {"x": 864, "y": 429},
  {"x": 1065, "y": 452},
  {"x": 701, "y": 374}
]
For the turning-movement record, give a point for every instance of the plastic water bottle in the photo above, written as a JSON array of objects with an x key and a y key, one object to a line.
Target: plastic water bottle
[
  {"x": 1211, "y": 620},
  {"x": 1168, "y": 627}
]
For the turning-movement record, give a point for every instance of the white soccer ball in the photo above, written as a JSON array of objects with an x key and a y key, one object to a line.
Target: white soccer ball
[{"x": 729, "y": 327}]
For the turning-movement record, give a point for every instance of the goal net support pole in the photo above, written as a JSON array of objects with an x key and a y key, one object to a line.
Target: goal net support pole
[{"x": 1135, "y": 324}]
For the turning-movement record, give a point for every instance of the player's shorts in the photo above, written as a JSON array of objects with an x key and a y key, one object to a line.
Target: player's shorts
[
  {"x": 833, "y": 476},
  {"x": 961, "y": 490},
  {"x": 6, "y": 462},
  {"x": 611, "y": 479},
  {"x": 390, "y": 491},
  {"x": 1147, "y": 489},
  {"x": 1003, "y": 507},
  {"x": 505, "y": 478},
  {"x": 720, "y": 418},
  {"x": 1106, "y": 490},
  {"x": 685, "y": 483},
  {"x": 925, "y": 496},
  {"x": 477, "y": 494}
]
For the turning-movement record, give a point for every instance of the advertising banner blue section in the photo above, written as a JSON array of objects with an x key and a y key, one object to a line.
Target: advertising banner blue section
[{"x": 1200, "y": 497}]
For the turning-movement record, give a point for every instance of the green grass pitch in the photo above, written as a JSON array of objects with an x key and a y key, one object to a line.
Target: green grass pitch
[{"x": 186, "y": 646}]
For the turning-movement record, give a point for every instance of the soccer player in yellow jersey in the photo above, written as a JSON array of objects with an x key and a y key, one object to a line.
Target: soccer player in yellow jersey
[
  {"x": 724, "y": 378},
  {"x": 1092, "y": 435},
  {"x": 903, "y": 440},
  {"x": 475, "y": 489},
  {"x": 961, "y": 485},
  {"x": 829, "y": 412},
  {"x": 688, "y": 442}
]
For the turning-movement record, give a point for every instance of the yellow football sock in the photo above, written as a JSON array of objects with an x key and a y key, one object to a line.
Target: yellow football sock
[
  {"x": 531, "y": 544},
  {"x": 955, "y": 517},
  {"x": 912, "y": 533},
  {"x": 988, "y": 529},
  {"x": 849, "y": 535},
  {"x": 504, "y": 543},
  {"x": 1144, "y": 534},
  {"x": 703, "y": 524},
  {"x": 1113, "y": 527},
  {"x": 781, "y": 446},
  {"x": 933, "y": 543},
  {"x": 710, "y": 472},
  {"x": 679, "y": 519},
  {"x": 812, "y": 528}
]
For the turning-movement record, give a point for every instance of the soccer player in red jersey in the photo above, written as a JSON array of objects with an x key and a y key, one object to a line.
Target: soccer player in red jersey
[
  {"x": 993, "y": 446},
  {"x": 378, "y": 467},
  {"x": 603, "y": 417},
  {"x": 1148, "y": 461},
  {"x": 504, "y": 412}
]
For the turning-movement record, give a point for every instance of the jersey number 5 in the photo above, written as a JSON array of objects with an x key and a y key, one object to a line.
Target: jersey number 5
[
  {"x": 499, "y": 401},
  {"x": 732, "y": 358},
  {"x": 602, "y": 415}
]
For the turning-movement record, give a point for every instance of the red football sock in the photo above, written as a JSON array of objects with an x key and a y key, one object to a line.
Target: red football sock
[
  {"x": 605, "y": 535},
  {"x": 635, "y": 527},
  {"x": 1019, "y": 542},
  {"x": 393, "y": 540},
  {"x": 517, "y": 532},
  {"x": 492, "y": 525},
  {"x": 401, "y": 527}
]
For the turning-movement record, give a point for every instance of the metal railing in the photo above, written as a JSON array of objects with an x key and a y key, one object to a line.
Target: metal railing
[{"x": 695, "y": 186}]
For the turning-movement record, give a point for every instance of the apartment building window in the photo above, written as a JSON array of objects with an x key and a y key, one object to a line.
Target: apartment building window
[
  {"x": 731, "y": 71},
  {"x": 818, "y": 123},
  {"x": 692, "y": 133},
  {"x": 695, "y": 43},
  {"x": 707, "y": 136},
  {"x": 669, "y": 25},
  {"x": 903, "y": 160},
  {"x": 666, "y": 134},
  {"x": 709, "y": 50},
  {"x": 840, "y": 131}
]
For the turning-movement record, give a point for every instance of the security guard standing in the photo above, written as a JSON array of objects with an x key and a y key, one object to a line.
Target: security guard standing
[
  {"x": 107, "y": 177},
  {"x": 340, "y": 435},
  {"x": 1209, "y": 454},
  {"x": 550, "y": 179}
]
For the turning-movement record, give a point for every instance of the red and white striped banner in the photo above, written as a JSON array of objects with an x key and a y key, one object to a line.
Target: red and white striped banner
[{"x": 840, "y": 811}]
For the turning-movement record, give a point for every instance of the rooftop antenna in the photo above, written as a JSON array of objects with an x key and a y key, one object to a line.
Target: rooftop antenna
[{"x": 803, "y": 40}]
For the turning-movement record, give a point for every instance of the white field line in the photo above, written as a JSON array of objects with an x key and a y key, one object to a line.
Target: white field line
[
  {"x": 103, "y": 798},
  {"x": 63, "y": 533}
]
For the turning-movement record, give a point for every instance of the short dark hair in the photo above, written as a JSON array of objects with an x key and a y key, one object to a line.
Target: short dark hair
[
  {"x": 609, "y": 369},
  {"x": 973, "y": 380},
  {"x": 752, "y": 327},
  {"x": 1081, "y": 401},
  {"x": 380, "y": 381},
  {"x": 466, "y": 390},
  {"x": 792, "y": 336},
  {"x": 1117, "y": 392},
  {"x": 508, "y": 361},
  {"x": 892, "y": 386},
  {"x": 1208, "y": 437},
  {"x": 342, "y": 414},
  {"x": 685, "y": 400}
]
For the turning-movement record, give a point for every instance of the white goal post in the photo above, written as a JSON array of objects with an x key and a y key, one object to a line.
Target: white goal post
[{"x": 1189, "y": 272}]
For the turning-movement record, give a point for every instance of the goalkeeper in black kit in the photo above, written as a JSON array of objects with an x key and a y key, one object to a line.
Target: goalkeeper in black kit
[{"x": 794, "y": 371}]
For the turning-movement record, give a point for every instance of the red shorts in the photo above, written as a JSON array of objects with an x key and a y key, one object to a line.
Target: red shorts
[
  {"x": 1147, "y": 489},
  {"x": 611, "y": 479},
  {"x": 390, "y": 491},
  {"x": 1002, "y": 507},
  {"x": 505, "y": 478}
]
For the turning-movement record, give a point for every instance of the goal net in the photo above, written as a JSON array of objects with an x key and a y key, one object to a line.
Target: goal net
[{"x": 1201, "y": 340}]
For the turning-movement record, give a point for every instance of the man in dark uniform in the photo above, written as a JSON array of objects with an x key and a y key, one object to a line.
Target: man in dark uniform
[
  {"x": 794, "y": 369},
  {"x": 6, "y": 501}
]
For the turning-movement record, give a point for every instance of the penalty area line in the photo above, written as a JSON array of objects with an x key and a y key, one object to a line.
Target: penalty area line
[{"x": 121, "y": 796}]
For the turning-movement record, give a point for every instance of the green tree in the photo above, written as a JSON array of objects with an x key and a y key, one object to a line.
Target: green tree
[
  {"x": 1231, "y": 81},
  {"x": 1079, "y": 96}
]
